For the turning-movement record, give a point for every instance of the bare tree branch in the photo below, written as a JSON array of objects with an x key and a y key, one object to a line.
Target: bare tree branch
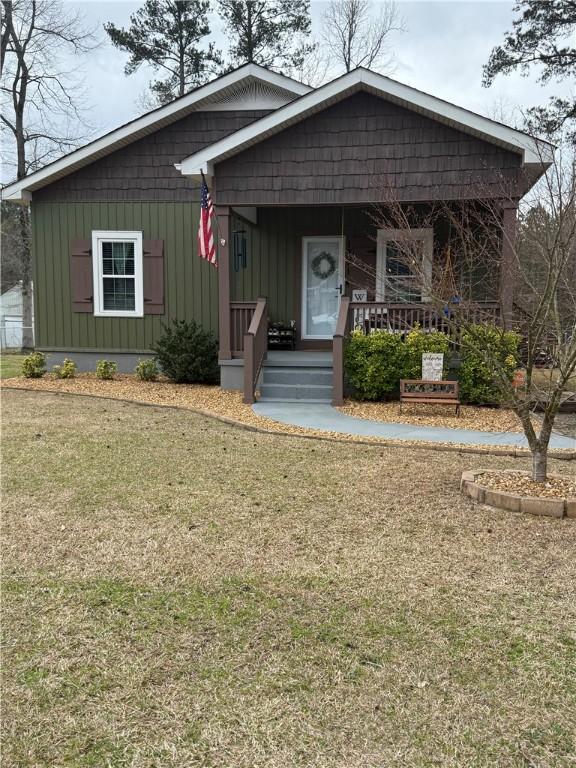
[
  {"x": 41, "y": 103},
  {"x": 355, "y": 36},
  {"x": 540, "y": 269}
]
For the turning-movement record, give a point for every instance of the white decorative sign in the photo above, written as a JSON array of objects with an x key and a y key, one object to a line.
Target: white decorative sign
[
  {"x": 432, "y": 365},
  {"x": 359, "y": 295}
]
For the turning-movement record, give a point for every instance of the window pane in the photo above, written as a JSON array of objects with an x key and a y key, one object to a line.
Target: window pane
[
  {"x": 401, "y": 282},
  {"x": 117, "y": 258},
  {"x": 119, "y": 293}
]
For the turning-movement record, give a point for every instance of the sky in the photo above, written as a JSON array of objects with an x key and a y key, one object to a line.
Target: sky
[{"x": 441, "y": 52}]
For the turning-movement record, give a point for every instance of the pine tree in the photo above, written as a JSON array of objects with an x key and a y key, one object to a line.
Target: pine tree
[
  {"x": 543, "y": 36},
  {"x": 167, "y": 35},
  {"x": 271, "y": 33}
]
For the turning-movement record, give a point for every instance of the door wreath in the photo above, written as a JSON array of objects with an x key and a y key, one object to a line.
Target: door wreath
[{"x": 323, "y": 265}]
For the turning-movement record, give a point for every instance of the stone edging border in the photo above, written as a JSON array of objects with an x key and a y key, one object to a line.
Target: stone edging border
[
  {"x": 531, "y": 505},
  {"x": 516, "y": 453}
]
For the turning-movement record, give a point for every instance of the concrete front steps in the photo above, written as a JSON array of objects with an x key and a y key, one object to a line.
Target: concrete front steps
[{"x": 297, "y": 377}]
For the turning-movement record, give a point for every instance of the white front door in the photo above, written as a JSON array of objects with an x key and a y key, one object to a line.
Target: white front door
[{"x": 322, "y": 285}]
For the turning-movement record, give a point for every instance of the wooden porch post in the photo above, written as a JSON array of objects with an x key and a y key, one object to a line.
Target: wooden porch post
[
  {"x": 223, "y": 236},
  {"x": 507, "y": 261},
  {"x": 342, "y": 325}
]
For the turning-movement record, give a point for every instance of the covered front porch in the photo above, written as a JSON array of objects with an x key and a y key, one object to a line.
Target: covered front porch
[{"x": 322, "y": 271}]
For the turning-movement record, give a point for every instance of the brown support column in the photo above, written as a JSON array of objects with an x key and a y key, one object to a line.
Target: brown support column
[
  {"x": 223, "y": 236},
  {"x": 508, "y": 261}
]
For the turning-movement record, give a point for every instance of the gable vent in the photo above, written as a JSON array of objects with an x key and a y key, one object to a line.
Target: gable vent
[{"x": 249, "y": 94}]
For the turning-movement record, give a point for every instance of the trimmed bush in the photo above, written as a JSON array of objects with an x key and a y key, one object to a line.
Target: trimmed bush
[
  {"x": 106, "y": 369},
  {"x": 376, "y": 362},
  {"x": 373, "y": 363},
  {"x": 146, "y": 370},
  {"x": 417, "y": 342},
  {"x": 34, "y": 365},
  {"x": 187, "y": 354},
  {"x": 65, "y": 371},
  {"x": 485, "y": 348}
]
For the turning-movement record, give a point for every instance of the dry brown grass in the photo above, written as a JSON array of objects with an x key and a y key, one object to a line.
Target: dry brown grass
[
  {"x": 229, "y": 405},
  {"x": 179, "y": 592}
]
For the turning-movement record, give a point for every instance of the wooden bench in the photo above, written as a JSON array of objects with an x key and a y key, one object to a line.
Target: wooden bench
[{"x": 422, "y": 391}]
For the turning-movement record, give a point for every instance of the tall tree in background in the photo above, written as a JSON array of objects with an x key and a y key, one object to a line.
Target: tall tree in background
[
  {"x": 272, "y": 33},
  {"x": 41, "y": 110},
  {"x": 11, "y": 246},
  {"x": 357, "y": 37},
  {"x": 543, "y": 36},
  {"x": 167, "y": 35}
]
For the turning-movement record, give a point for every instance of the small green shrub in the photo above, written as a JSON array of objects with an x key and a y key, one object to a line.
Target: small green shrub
[
  {"x": 376, "y": 362},
  {"x": 106, "y": 369},
  {"x": 65, "y": 371},
  {"x": 418, "y": 342},
  {"x": 373, "y": 363},
  {"x": 146, "y": 370},
  {"x": 34, "y": 365},
  {"x": 188, "y": 354},
  {"x": 484, "y": 350}
]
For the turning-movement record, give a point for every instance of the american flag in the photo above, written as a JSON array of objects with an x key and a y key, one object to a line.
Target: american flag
[{"x": 205, "y": 236}]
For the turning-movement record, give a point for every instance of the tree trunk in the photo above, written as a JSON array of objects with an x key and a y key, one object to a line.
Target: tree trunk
[
  {"x": 249, "y": 37},
  {"x": 27, "y": 299},
  {"x": 539, "y": 465}
]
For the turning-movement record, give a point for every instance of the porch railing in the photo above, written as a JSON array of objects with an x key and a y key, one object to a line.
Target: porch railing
[
  {"x": 400, "y": 318},
  {"x": 241, "y": 313},
  {"x": 342, "y": 328},
  {"x": 255, "y": 346}
]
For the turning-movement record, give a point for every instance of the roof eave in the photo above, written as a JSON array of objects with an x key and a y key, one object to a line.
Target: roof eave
[
  {"x": 531, "y": 149},
  {"x": 21, "y": 191}
]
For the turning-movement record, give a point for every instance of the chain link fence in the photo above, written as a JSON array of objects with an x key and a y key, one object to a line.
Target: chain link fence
[{"x": 12, "y": 335}]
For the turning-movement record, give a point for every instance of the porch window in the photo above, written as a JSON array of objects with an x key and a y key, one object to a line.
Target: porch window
[
  {"x": 117, "y": 264},
  {"x": 404, "y": 265}
]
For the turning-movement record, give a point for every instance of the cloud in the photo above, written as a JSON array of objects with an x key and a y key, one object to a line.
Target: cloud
[{"x": 442, "y": 53}]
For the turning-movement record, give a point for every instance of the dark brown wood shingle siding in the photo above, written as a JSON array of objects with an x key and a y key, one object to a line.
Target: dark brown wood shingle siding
[
  {"x": 354, "y": 150},
  {"x": 145, "y": 169}
]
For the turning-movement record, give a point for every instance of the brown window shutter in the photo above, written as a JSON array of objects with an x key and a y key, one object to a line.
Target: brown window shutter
[
  {"x": 153, "y": 278},
  {"x": 81, "y": 275}
]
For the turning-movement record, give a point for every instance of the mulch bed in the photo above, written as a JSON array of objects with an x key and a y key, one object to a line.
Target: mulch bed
[{"x": 522, "y": 485}]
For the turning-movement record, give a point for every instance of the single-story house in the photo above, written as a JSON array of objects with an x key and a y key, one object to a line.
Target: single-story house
[{"x": 294, "y": 173}]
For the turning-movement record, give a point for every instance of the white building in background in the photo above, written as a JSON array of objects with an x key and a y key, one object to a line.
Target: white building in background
[{"x": 11, "y": 313}]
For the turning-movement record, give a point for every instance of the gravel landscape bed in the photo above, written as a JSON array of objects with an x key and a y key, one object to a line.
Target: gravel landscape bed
[
  {"x": 430, "y": 415},
  {"x": 522, "y": 484},
  {"x": 514, "y": 490},
  {"x": 211, "y": 400}
]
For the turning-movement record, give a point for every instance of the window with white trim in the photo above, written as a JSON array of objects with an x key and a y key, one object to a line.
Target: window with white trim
[
  {"x": 118, "y": 279},
  {"x": 404, "y": 265}
]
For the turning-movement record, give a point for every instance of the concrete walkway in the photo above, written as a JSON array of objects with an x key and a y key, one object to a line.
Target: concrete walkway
[{"x": 324, "y": 417}]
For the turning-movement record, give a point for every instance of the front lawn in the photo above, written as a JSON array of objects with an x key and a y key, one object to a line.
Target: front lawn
[
  {"x": 10, "y": 365},
  {"x": 180, "y": 592}
]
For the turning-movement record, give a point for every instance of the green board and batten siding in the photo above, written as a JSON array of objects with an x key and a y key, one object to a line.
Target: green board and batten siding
[
  {"x": 274, "y": 253},
  {"x": 274, "y": 263},
  {"x": 190, "y": 284}
]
